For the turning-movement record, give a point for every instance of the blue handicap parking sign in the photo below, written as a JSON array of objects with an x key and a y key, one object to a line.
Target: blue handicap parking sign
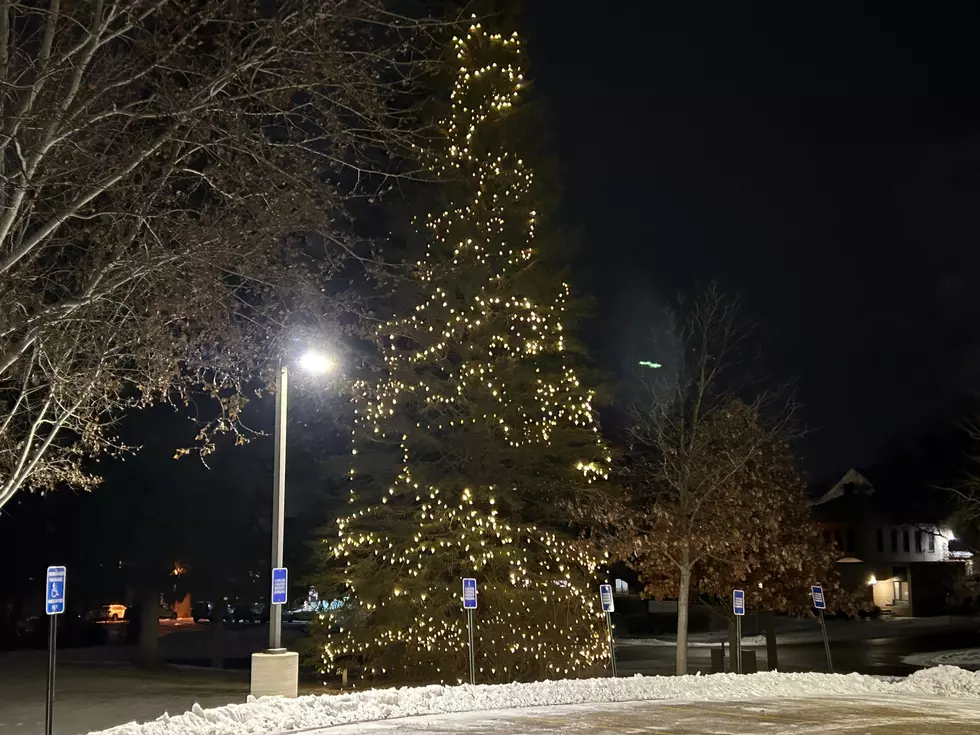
[
  {"x": 54, "y": 594},
  {"x": 606, "y": 598},
  {"x": 738, "y": 602},
  {"x": 279, "y": 577},
  {"x": 469, "y": 594}
]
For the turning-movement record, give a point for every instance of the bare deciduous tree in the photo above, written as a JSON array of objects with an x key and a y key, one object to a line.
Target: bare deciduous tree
[
  {"x": 174, "y": 178},
  {"x": 776, "y": 551},
  {"x": 966, "y": 492},
  {"x": 699, "y": 464}
]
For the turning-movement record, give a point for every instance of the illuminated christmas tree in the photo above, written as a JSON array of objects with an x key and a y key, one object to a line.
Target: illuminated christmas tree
[{"x": 478, "y": 445}]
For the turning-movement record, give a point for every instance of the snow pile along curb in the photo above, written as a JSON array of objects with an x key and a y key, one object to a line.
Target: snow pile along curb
[
  {"x": 965, "y": 658},
  {"x": 277, "y": 715},
  {"x": 942, "y": 681}
]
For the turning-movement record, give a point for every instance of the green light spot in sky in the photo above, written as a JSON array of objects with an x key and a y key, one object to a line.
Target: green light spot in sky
[{"x": 647, "y": 363}]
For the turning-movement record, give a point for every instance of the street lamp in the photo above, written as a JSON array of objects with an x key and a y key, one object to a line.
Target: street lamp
[
  {"x": 276, "y": 672},
  {"x": 315, "y": 363}
]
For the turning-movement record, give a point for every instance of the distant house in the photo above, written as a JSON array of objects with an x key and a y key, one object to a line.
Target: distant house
[{"x": 902, "y": 553}]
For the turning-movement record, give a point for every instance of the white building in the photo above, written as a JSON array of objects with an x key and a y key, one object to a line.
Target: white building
[{"x": 887, "y": 546}]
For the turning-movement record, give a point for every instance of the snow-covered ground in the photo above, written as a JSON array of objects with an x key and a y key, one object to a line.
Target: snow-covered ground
[
  {"x": 805, "y": 631},
  {"x": 968, "y": 658},
  {"x": 703, "y": 640},
  {"x": 877, "y": 714},
  {"x": 709, "y": 640},
  {"x": 276, "y": 715}
]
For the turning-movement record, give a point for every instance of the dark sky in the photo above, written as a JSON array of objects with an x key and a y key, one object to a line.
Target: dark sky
[{"x": 826, "y": 166}]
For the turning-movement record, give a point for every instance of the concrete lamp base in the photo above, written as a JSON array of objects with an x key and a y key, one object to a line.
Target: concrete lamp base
[{"x": 275, "y": 674}]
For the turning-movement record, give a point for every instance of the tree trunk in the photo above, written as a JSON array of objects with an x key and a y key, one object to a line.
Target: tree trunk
[
  {"x": 9, "y": 632},
  {"x": 683, "y": 609},
  {"x": 769, "y": 624},
  {"x": 149, "y": 634},
  {"x": 732, "y": 643}
]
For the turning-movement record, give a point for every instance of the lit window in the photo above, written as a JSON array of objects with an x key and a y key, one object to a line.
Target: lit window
[{"x": 900, "y": 591}]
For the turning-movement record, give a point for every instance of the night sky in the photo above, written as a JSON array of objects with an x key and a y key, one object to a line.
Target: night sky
[{"x": 826, "y": 166}]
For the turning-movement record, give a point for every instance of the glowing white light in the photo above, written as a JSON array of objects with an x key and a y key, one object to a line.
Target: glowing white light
[
  {"x": 316, "y": 362},
  {"x": 873, "y": 580}
]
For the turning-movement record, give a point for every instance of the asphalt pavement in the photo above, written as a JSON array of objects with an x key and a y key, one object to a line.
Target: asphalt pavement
[{"x": 95, "y": 695}]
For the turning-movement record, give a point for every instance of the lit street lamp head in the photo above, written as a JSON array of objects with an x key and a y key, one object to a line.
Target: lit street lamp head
[{"x": 316, "y": 362}]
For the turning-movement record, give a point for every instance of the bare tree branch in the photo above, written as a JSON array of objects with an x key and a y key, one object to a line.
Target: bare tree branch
[
  {"x": 165, "y": 168},
  {"x": 704, "y": 457}
]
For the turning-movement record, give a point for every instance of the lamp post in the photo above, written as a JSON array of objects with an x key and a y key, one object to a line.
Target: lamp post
[
  {"x": 278, "y": 502},
  {"x": 276, "y": 672}
]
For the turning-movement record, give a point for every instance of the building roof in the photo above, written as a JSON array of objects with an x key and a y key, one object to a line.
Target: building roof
[
  {"x": 862, "y": 494},
  {"x": 852, "y": 482}
]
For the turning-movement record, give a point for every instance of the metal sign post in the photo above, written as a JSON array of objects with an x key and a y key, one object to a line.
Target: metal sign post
[
  {"x": 54, "y": 605},
  {"x": 609, "y": 607},
  {"x": 820, "y": 603},
  {"x": 469, "y": 604},
  {"x": 738, "y": 605}
]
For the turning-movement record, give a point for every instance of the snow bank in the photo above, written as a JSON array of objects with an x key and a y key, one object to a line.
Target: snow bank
[
  {"x": 707, "y": 641},
  {"x": 943, "y": 681},
  {"x": 270, "y": 715},
  {"x": 964, "y": 657},
  {"x": 800, "y": 631}
]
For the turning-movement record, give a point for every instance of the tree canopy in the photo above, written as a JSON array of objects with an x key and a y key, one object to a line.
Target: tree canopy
[
  {"x": 714, "y": 501},
  {"x": 175, "y": 177}
]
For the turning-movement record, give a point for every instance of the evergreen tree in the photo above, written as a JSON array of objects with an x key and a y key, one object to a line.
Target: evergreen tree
[{"x": 478, "y": 444}]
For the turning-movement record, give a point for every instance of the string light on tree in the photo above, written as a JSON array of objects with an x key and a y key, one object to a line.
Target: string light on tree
[{"x": 472, "y": 448}]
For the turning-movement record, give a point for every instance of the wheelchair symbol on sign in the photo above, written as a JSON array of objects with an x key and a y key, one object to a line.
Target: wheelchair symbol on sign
[{"x": 54, "y": 590}]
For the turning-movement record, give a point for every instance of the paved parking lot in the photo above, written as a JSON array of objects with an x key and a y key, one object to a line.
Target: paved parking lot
[{"x": 94, "y": 696}]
